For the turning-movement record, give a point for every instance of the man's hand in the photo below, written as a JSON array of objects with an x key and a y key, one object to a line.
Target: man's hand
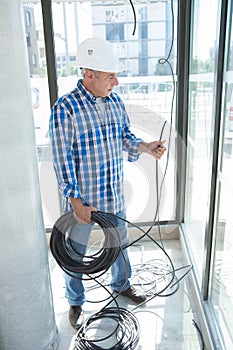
[
  {"x": 82, "y": 213},
  {"x": 155, "y": 148}
]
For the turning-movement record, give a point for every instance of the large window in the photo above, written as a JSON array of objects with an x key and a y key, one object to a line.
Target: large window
[
  {"x": 145, "y": 89},
  {"x": 147, "y": 105},
  {"x": 200, "y": 124},
  {"x": 222, "y": 287},
  {"x": 208, "y": 216}
]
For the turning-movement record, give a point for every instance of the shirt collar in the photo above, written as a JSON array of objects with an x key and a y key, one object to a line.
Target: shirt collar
[{"x": 89, "y": 96}]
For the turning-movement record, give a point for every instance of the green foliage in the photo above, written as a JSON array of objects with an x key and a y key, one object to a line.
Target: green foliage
[
  {"x": 73, "y": 71},
  {"x": 198, "y": 66},
  {"x": 162, "y": 69}
]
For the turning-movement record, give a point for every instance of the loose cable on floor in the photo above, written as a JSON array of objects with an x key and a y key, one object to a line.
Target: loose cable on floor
[
  {"x": 93, "y": 266},
  {"x": 124, "y": 329},
  {"x": 200, "y": 334}
]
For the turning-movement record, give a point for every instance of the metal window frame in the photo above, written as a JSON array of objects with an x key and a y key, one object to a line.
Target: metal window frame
[
  {"x": 204, "y": 290},
  {"x": 183, "y": 35},
  {"x": 46, "y": 6},
  {"x": 218, "y": 84}
]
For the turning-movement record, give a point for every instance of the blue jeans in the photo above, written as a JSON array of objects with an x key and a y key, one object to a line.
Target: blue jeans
[{"x": 120, "y": 269}]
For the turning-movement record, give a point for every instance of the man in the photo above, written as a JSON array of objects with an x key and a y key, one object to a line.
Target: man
[{"x": 89, "y": 130}]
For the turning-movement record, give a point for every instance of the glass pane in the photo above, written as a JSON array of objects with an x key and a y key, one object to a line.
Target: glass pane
[
  {"x": 200, "y": 121},
  {"x": 146, "y": 86},
  {"x": 222, "y": 287},
  {"x": 41, "y": 108}
]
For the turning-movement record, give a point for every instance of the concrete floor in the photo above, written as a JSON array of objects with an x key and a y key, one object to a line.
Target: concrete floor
[{"x": 166, "y": 323}]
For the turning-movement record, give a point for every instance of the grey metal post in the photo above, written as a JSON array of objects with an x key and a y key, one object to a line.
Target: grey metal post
[
  {"x": 26, "y": 308},
  {"x": 183, "y": 38},
  {"x": 46, "y": 6}
]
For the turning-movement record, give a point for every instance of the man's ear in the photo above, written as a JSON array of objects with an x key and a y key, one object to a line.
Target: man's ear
[{"x": 89, "y": 74}]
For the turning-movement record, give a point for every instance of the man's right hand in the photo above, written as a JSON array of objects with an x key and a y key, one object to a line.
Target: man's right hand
[{"x": 82, "y": 213}]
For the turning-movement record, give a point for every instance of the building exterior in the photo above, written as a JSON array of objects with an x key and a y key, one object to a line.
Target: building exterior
[
  {"x": 31, "y": 40},
  {"x": 139, "y": 41}
]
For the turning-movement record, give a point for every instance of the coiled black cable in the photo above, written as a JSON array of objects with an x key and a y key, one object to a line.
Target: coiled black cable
[
  {"x": 73, "y": 262},
  {"x": 119, "y": 322}
]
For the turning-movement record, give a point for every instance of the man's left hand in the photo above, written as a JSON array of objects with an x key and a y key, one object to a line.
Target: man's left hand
[{"x": 155, "y": 148}]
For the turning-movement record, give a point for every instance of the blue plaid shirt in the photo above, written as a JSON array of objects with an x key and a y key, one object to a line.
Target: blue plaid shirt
[{"x": 87, "y": 148}]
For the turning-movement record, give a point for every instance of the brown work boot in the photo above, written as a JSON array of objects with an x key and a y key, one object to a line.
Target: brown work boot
[
  {"x": 76, "y": 316},
  {"x": 134, "y": 295}
]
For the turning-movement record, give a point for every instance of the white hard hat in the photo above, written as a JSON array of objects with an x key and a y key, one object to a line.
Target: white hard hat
[{"x": 98, "y": 54}]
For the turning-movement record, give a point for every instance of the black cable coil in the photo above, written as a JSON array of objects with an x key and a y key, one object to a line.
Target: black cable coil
[
  {"x": 72, "y": 261},
  {"x": 121, "y": 325}
]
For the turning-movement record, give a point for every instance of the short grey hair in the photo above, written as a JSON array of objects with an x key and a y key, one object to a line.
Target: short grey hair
[{"x": 83, "y": 70}]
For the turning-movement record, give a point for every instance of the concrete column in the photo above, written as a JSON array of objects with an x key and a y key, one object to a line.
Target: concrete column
[{"x": 26, "y": 308}]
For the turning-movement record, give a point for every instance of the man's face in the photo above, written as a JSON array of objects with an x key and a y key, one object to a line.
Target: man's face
[{"x": 103, "y": 83}]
